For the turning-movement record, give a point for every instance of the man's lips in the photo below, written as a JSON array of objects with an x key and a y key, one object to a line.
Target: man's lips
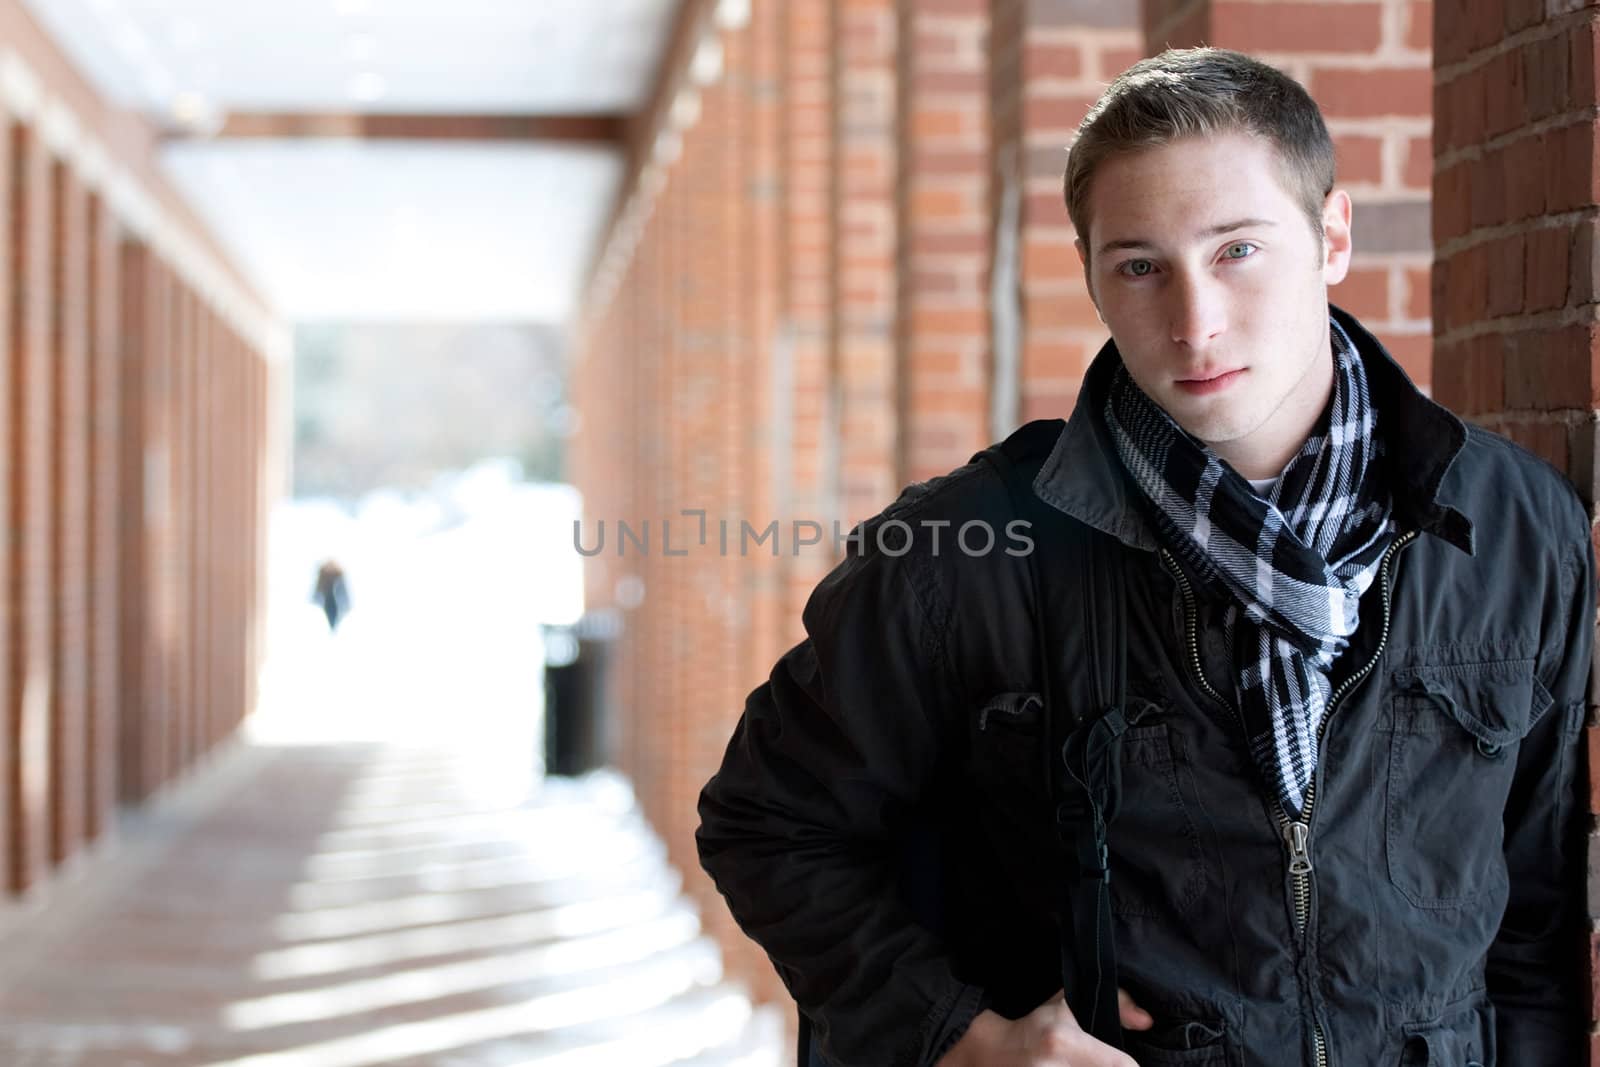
[{"x": 1211, "y": 384}]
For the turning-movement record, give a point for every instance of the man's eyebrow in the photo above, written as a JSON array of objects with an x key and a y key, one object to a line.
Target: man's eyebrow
[{"x": 1209, "y": 231}]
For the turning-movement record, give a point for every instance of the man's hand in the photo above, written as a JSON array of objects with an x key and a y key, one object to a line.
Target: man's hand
[{"x": 1048, "y": 1036}]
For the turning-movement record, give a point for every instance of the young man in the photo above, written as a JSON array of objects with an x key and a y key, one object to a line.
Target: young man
[{"x": 1329, "y": 647}]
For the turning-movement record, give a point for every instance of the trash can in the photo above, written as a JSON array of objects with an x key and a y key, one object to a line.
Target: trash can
[{"x": 577, "y": 718}]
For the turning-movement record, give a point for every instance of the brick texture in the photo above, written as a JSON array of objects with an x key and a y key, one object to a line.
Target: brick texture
[
  {"x": 863, "y": 247},
  {"x": 1045, "y": 73},
  {"x": 32, "y": 697},
  {"x": 103, "y": 335},
  {"x": 69, "y": 520},
  {"x": 943, "y": 229}
]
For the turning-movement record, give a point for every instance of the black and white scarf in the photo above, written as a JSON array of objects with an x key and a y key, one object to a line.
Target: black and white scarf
[{"x": 1295, "y": 562}]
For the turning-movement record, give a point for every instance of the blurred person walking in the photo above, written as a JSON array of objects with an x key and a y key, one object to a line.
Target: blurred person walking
[{"x": 332, "y": 593}]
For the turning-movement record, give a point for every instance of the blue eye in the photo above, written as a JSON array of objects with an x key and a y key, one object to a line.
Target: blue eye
[
  {"x": 1137, "y": 268},
  {"x": 1240, "y": 250}
]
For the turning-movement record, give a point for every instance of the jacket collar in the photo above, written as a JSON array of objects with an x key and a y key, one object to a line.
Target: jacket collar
[{"x": 1084, "y": 478}]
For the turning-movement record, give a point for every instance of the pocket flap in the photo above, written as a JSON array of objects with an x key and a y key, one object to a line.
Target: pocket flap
[
  {"x": 1192, "y": 1043},
  {"x": 1495, "y": 702},
  {"x": 1010, "y": 709}
]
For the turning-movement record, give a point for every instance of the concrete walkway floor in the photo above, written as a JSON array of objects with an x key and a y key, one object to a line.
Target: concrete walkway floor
[{"x": 358, "y": 903}]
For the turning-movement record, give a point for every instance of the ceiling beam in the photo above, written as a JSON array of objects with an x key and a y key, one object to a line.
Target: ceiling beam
[
  {"x": 602, "y": 130},
  {"x": 693, "y": 20}
]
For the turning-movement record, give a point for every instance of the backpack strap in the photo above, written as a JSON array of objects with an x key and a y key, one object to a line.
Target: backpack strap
[{"x": 1091, "y": 757}]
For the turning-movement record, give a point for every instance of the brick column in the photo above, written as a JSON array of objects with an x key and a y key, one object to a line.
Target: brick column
[
  {"x": 803, "y": 356},
  {"x": 943, "y": 227},
  {"x": 757, "y": 78},
  {"x": 864, "y": 254},
  {"x": 132, "y": 583},
  {"x": 205, "y": 644},
  {"x": 31, "y": 697},
  {"x": 703, "y": 644},
  {"x": 69, "y": 461},
  {"x": 180, "y": 523},
  {"x": 1516, "y": 273},
  {"x": 104, "y": 333},
  {"x": 1368, "y": 64},
  {"x": 10, "y": 813},
  {"x": 1050, "y": 59},
  {"x": 153, "y": 449}
]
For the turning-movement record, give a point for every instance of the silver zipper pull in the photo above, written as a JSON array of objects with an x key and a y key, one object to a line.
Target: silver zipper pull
[{"x": 1297, "y": 834}]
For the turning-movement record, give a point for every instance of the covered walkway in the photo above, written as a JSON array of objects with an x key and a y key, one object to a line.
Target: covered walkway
[
  {"x": 360, "y": 904},
  {"x": 374, "y": 873}
]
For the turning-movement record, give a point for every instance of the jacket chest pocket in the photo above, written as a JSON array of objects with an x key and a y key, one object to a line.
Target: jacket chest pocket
[
  {"x": 1158, "y": 864},
  {"x": 1454, "y": 736}
]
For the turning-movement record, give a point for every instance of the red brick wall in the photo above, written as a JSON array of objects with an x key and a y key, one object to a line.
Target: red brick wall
[
  {"x": 69, "y": 492},
  {"x": 1368, "y": 64},
  {"x": 803, "y": 352},
  {"x": 103, "y": 333},
  {"x": 1050, "y": 61},
  {"x": 134, "y": 723},
  {"x": 943, "y": 228},
  {"x": 1516, "y": 279},
  {"x": 115, "y": 624},
  {"x": 863, "y": 246},
  {"x": 31, "y": 700}
]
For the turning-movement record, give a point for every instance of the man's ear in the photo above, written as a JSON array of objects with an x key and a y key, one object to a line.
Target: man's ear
[
  {"x": 1336, "y": 244},
  {"x": 1088, "y": 277}
]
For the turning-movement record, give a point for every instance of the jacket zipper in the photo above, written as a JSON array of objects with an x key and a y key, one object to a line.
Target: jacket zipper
[{"x": 1296, "y": 834}]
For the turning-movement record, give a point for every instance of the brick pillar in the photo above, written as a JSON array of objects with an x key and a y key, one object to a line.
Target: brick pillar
[
  {"x": 104, "y": 333},
  {"x": 153, "y": 448},
  {"x": 1516, "y": 276},
  {"x": 257, "y": 391},
  {"x": 202, "y": 643},
  {"x": 206, "y": 647},
  {"x": 703, "y": 644},
  {"x": 761, "y": 78},
  {"x": 864, "y": 254},
  {"x": 180, "y": 523},
  {"x": 1050, "y": 59},
  {"x": 31, "y": 697},
  {"x": 133, "y": 729},
  {"x": 804, "y": 353},
  {"x": 69, "y": 461},
  {"x": 1368, "y": 64},
  {"x": 228, "y": 694},
  {"x": 10, "y": 813},
  {"x": 943, "y": 226}
]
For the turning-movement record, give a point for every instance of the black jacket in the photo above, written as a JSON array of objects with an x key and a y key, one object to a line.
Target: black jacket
[{"x": 1442, "y": 921}]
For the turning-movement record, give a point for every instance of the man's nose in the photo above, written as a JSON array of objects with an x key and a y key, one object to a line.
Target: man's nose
[{"x": 1197, "y": 312}]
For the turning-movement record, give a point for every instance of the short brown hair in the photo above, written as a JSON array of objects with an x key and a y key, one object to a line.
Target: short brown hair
[{"x": 1199, "y": 92}]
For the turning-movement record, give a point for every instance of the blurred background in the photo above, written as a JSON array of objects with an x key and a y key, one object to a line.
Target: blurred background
[{"x": 425, "y": 423}]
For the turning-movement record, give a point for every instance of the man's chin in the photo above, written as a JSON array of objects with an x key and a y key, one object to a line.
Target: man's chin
[{"x": 1214, "y": 427}]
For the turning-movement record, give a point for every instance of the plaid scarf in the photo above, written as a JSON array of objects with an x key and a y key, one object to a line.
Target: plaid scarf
[{"x": 1294, "y": 563}]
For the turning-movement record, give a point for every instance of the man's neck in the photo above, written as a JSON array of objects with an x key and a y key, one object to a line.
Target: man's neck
[{"x": 1266, "y": 451}]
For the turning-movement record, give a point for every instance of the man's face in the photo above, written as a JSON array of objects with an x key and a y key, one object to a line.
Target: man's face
[{"x": 1214, "y": 287}]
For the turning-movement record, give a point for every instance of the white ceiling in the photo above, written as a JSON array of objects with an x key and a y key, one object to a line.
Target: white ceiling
[{"x": 384, "y": 230}]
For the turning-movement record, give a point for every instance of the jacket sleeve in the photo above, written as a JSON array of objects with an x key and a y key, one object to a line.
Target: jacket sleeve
[
  {"x": 1537, "y": 964},
  {"x": 799, "y": 825}
]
